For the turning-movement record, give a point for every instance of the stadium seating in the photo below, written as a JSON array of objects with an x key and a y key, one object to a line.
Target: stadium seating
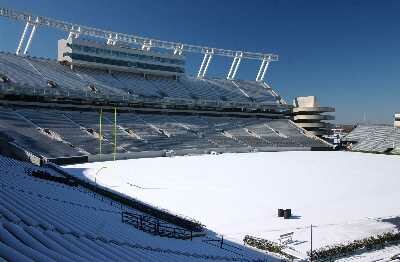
[
  {"x": 56, "y": 133},
  {"x": 49, "y": 221},
  {"x": 359, "y": 133},
  {"x": 34, "y": 74},
  {"x": 20, "y": 71},
  {"x": 15, "y": 128},
  {"x": 228, "y": 91},
  {"x": 374, "y": 138},
  {"x": 255, "y": 90},
  {"x": 74, "y": 133},
  {"x": 60, "y": 124}
]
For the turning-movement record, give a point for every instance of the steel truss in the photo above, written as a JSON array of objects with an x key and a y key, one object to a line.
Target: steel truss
[{"x": 144, "y": 43}]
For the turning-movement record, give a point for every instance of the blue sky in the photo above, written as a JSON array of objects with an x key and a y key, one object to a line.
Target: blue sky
[{"x": 344, "y": 52}]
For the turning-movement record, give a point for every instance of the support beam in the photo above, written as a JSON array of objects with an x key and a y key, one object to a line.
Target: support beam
[
  {"x": 112, "y": 39},
  {"x": 178, "y": 50},
  {"x": 234, "y": 67},
  {"x": 125, "y": 38},
  {"x": 147, "y": 45},
  {"x": 21, "y": 41},
  {"x": 204, "y": 65},
  {"x": 72, "y": 35},
  {"x": 100, "y": 131},
  {"x": 115, "y": 132},
  {"x": 208, "y": 63},
  {"x": 237, "y": 67},
  {"x": 263, "y": 69},
  {"x": 28, "y": 44}
]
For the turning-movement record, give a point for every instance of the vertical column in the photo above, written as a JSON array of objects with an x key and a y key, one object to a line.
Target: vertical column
[
  {"x": 100, "y": 133},
  {"x": 147, "y": 45},
  {"x": 28, "y": 44},
  {"x": 21, "y": 41},
  {"x": 208, "y": 63},
  {"x": 74, "y": 33},
  {"x": 115, "y": 132},
  {"x": 234, "y": 67},
  {"x": 263, "y": 69},
  {"x": 178, "y": 49},
  {"x": 204, "y": 65}
]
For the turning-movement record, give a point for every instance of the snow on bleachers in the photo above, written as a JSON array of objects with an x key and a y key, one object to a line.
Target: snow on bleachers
[
  {"x": 78, "y": 132},
  {"x": 236, "y": 129},
  {"x": 359, "y": 133},
  {"x": 66, "y": 79},
  {"x": 199, "y": 89},
  {"x": 179, "y": 137},
  {"x": 374, "y": 138},
  {"x": 227, "y": 90},
  {"x": 49, "y": 221},
  {"x": 20, "y": 71},
  {"x": 102, "y": 81},
  {"x": 256, "y": 91},
  {"x": 90, "y": 120},
  {"x": 59, "y": 123},
  {"x": 137, "y": 84},
  {"x": 35, "y": 72},
  {"x": 23, "y": 133},
  {"x": 171, "y": 88}
]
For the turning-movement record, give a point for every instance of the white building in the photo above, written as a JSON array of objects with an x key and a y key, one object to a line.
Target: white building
[
  {"x": 397, "y": 120},
  {"x": 308, "y": 114}
]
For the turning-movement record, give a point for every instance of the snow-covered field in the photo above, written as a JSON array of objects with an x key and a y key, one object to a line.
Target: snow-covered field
[{"x": 344, "y": 195}]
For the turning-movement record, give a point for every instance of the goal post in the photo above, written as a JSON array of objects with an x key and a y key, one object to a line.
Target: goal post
[
  {"x": 115, "y": 132},
  {"x": 100, "y": 131}
]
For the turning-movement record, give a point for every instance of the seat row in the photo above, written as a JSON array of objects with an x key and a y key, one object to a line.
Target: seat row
[
  {"x": 44, "y": 74},
  {"x": 56, "y": 133},
  {"x": 40, "y": 220}
]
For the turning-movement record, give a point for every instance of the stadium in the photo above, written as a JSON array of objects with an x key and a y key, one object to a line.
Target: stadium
[{"x": 113, "y": 152}]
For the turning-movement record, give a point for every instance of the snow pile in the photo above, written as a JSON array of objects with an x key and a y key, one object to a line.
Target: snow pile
[
  {"x": 343, "y": 194},
  {"x": 390, "y": 253}
]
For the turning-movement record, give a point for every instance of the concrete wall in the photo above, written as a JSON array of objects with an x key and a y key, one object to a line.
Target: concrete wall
[
  {"x": 153, "y": 154},
  {"x": 308, "y": 114},
  {"x": 397, "y": 120},
  {"x": 306, "y": 101}
]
